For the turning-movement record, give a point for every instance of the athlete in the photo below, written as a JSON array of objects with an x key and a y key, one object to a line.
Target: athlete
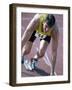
[{"x": 45, "y": 27}]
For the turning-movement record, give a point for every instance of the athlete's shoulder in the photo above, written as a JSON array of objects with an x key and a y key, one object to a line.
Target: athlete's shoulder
[{"x": 35, "y": 19}]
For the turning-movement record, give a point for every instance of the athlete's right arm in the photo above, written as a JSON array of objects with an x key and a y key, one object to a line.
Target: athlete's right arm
[{"x": 30, "y": 28}]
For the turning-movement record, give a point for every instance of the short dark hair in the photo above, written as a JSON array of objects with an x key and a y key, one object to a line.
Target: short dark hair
[{"x": 50, "y": 19}]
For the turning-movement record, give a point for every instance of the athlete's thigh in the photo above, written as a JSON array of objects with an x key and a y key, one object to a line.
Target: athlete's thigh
[
  {"x": 27, "y": 47},
  {"x": 43, "y": 46}
]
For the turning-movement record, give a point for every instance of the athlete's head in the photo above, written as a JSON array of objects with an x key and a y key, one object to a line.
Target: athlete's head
[{"x": 49, "y": 22}]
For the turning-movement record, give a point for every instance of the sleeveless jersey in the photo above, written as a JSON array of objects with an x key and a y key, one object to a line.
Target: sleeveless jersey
[{"x": 40, "y": 27}]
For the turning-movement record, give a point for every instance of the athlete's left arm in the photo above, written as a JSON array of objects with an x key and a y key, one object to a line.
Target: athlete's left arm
[{"x": 55, "y": 38}]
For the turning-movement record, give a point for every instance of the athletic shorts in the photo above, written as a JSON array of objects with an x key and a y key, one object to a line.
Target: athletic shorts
[{"x": 42, "y": 37}]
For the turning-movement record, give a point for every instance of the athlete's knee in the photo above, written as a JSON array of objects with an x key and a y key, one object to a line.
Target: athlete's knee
[
  {"x": 26, "y": 51},
  {"x": 41, "y": 53}
]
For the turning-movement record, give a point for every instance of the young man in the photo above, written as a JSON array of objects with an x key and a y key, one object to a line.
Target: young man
[{"x": 43, "y": 26}]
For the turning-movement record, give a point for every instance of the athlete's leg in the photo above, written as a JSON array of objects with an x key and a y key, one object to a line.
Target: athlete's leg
[
  {"x": 27, "y": 48},
  {"x": 44, "y": 42},
  {"x": 40, "y": 53},
  {"x": 42, "y": 49},
  {"x": 25, "y": 51}
]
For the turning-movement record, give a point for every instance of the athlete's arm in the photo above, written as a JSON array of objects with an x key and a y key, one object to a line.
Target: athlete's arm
[
  {"x": 30, "y": 28},
  {"x": 55, "y": 38}
]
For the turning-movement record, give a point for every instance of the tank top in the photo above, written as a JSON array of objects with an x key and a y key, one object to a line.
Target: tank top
[{"x": 40, "y": 27}]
